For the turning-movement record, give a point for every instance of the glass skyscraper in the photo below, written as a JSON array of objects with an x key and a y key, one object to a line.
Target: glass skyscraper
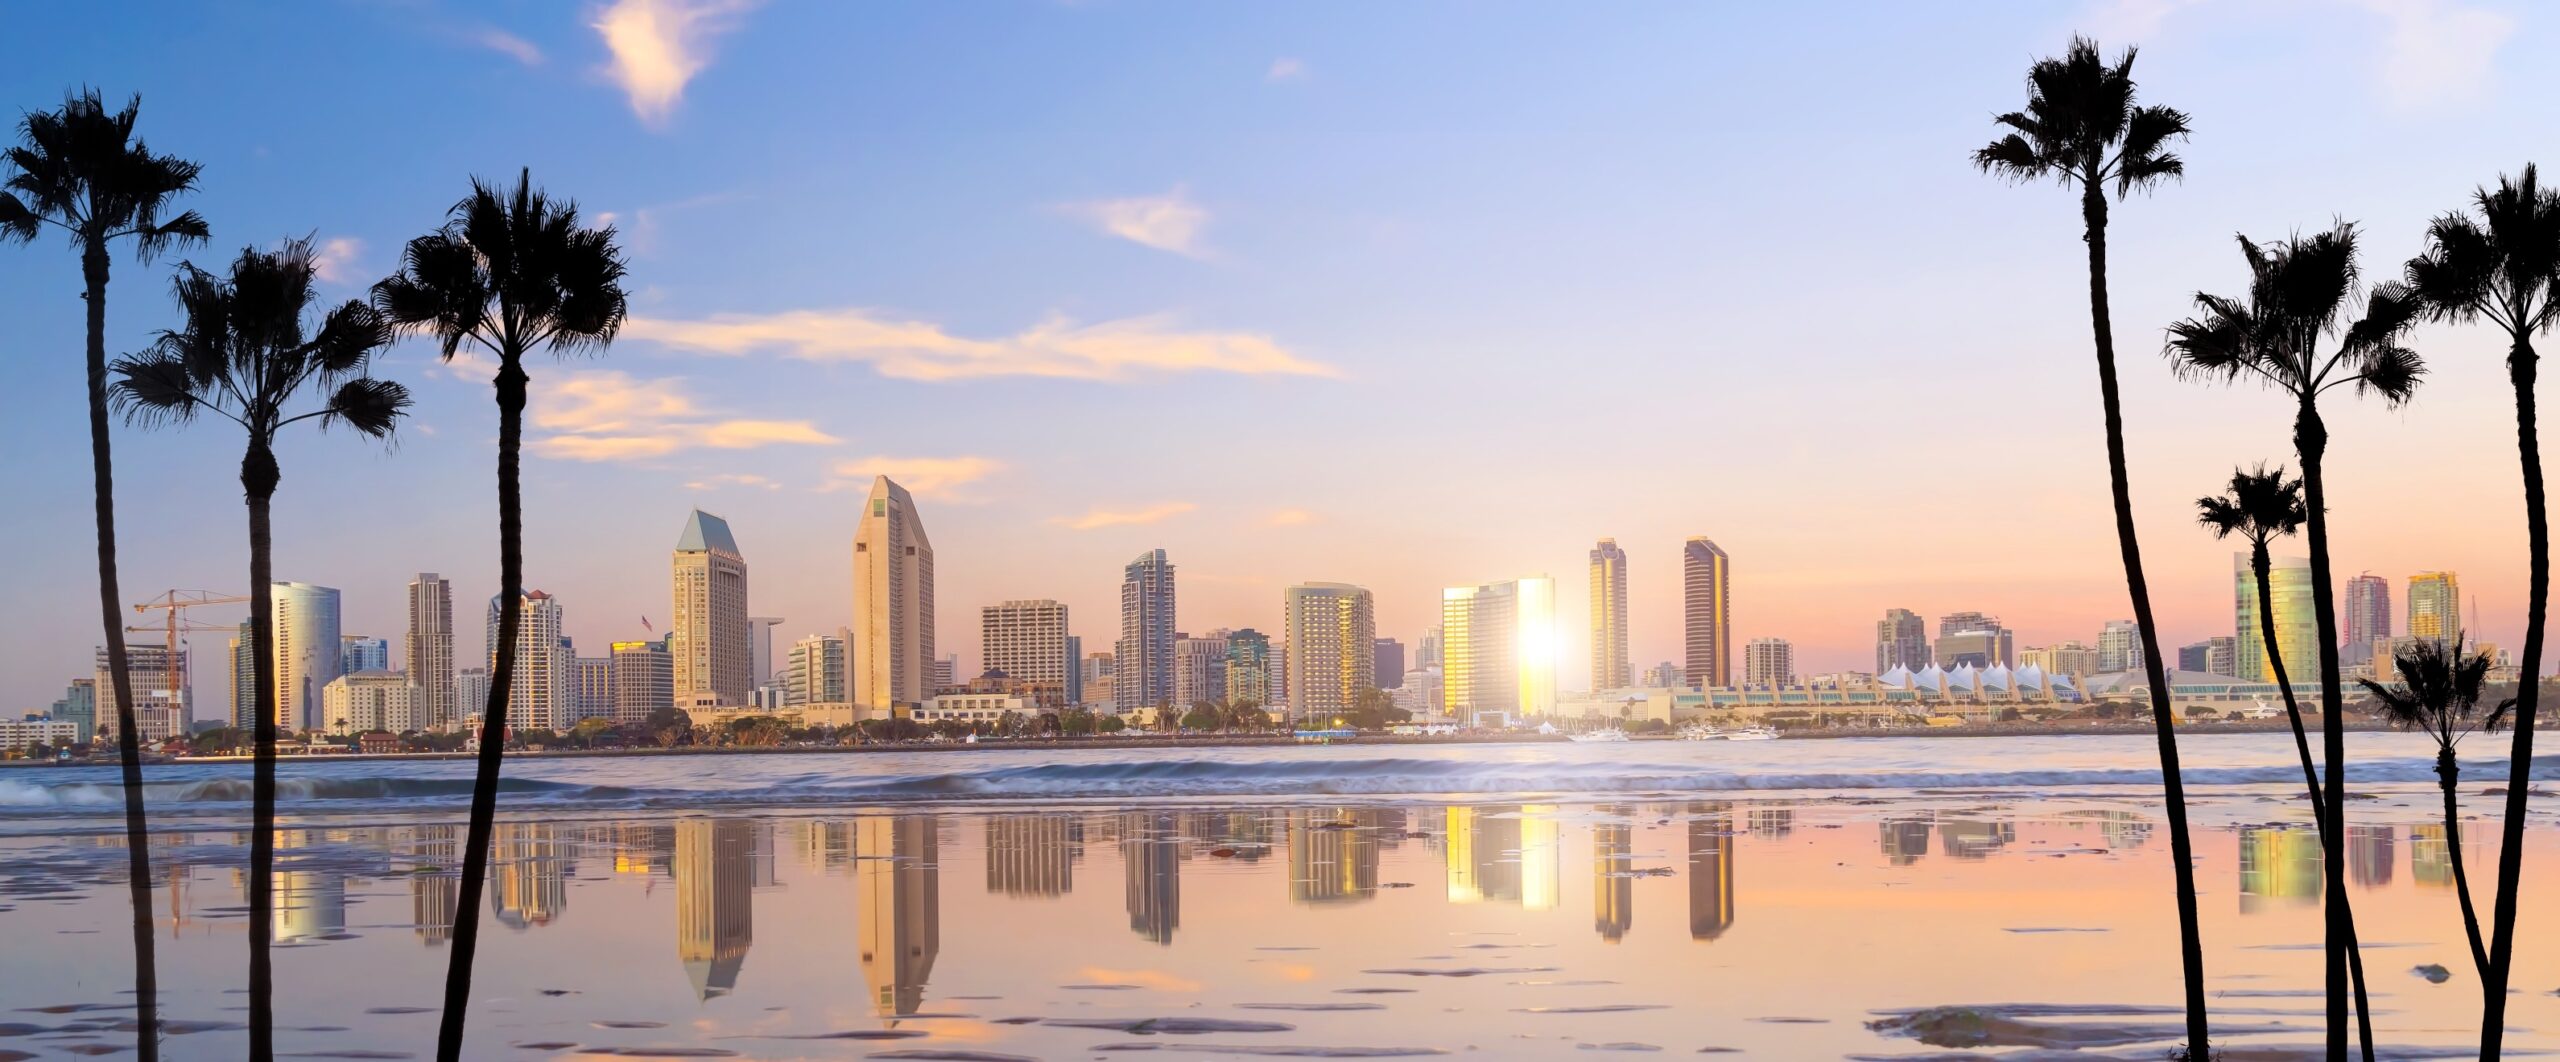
[{"x": 2297, "y": 634}]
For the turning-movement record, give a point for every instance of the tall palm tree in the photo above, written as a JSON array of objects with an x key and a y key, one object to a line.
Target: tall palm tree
[
  {"x": 510, "y": 273},
  {"x": 2439, "y": 692},
  {"x": 2505, "y": 267},
  {"x": 2291, "y": 333},
  {"x": 245, "y": 355},
  {"x": 2261, "y": 506},
  {"x": 2083, "y": 130},
  {"x": 80, "y": 170}
]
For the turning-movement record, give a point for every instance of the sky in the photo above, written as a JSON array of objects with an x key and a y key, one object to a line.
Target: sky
[{"x": 1408, "y": 296}]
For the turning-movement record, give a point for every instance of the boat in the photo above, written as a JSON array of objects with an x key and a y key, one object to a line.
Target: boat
[
  {"x": 1701, "y": 732},
  {"x": 1754, "y": 733},
  {"x": 1611, "y": 734}
]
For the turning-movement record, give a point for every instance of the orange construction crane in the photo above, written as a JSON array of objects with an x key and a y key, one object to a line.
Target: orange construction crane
[{"x": 176, "y": 603}]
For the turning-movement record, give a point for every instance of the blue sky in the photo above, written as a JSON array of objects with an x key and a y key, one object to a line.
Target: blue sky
[{"x": 1404, "y": 295}]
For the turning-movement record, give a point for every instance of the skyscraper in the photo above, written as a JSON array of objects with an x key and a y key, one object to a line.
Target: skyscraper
[
  {"x": 1902, "y": 640},
  {"x": 307, "y": 645},
  {"x": 1390, "y": 667},
  {"x": 79, "y": 707},
  {"x": 1199, "y": 669},
  {"x": 591, "y": 688},
  {"x": 2120, "y": 647},
  {"x": 1498, "y": 647},
  {"x": 357, "y": 652},
  {"x": 2297, "y": 637},
  {"x": 1706, "y": 580},
  {"x": 1142, "y": 666},
  {"x": 814, "y": 671},
  {"x": 160, "y": 684},
  {"x": 1769, "y": 662},
  {"x": 2435, "y": 607},
  {"x": 762, "y": 664},
  {"x": 709, "y": 635},
  {"x": 1248, "y": 667},
  {"x": 471, "y": 691},
  {"x": 1333, "y": 634},
  {"x": 1027, "y": 640},
  {"x": 1609, "y": 668},
  {"x": 644, "y": 681},
  {"x": 1976, "y": 639},
  {"x": 2366, "y": 611},
  {"x": 892, "y": 601},
  {"x": 430, "y": 651},
  {"x": 539, "y": 692}
]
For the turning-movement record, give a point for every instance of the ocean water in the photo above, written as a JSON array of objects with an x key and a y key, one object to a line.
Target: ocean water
[{"x": 1787, "y": 899}]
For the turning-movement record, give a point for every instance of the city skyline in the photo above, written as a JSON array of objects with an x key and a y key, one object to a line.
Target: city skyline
[{"x": 1272, "y": 285}]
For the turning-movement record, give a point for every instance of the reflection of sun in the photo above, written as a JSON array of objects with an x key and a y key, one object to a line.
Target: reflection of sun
[
  {"x": 1155, "y": 979},
  {"x": 1295, "y": 972}
]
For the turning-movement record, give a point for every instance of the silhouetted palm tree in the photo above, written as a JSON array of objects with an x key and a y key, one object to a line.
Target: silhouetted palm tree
[
  {"x": 2439, "y": 692},
  {"x": 245, "y": 356},
  {"x": 510, "y": 273},
  {"x": 2262, "y": 506},
  {"x": 2083, "y": 130},
  {"x": 80, "y": 170},
  {"x": 2505, "y": 266},
  {"x": 2301, "y": 292}
]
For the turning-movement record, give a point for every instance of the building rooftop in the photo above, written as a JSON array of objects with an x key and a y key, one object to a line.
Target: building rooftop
[{"x": 705, "y": 533}]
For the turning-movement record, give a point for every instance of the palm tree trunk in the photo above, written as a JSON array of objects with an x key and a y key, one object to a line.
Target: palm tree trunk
[
  {"x": 493, "y": 716},
  {"x": 2093, "y": 212},
  {"x": 2311, "y": 441},
  {"x": 258, "y": 476},
  {"x": 2493, "y": 985},
  {"x": 137, "y": 831},
  {"x": 2258, "y": 565},
  {"x": 2449, "y": 776}
]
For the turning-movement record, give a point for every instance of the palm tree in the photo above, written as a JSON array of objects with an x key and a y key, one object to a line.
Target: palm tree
[
  {"x": 2082, "y": 129},
  {"x": 2300, "y": 292},
  {"x": 245, "y": 355},
  {"x": 2261, "y": 506},
  {"x": 80, "y": 170},
  {"x": 509, "y": 273},
  {"x": 2439, "y": 692},
  {"x": 2505, "y": 266}
]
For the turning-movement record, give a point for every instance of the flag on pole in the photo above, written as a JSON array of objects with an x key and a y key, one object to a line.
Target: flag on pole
[{"x": 644, "y": 625}]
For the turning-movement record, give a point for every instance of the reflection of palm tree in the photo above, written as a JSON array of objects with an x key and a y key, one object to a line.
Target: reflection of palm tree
[
  {"x": 80, "y": 170},
  {"x": 2439, "y": 692},
  {"x": 2082, "y": 128},
  {"x": 244, "y": 354},
  {"x": 2300, "y": 291},
  {"x": 2506, "y": 267},
  {"x": 509, "y": 273}
]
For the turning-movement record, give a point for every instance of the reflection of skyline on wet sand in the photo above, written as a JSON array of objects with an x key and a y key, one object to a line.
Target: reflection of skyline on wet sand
[{"x": 898, "y": 897}]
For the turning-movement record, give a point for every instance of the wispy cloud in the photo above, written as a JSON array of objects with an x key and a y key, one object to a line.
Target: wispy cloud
[
  {"x": 733, "y": 479},
  {"x": 508, "y": 44},
  {"x": 1290, "y": 518},
  {"x": 1168, "y": 222},
  {"x": 934, "y": 477},
  {"x": 334, "y": 261},
  {"x": 659, "y": 45},
  {"x": 1101, "y": 518},
  {"x": 1285, "y": 68},
  {"x": 919, "y": 350},
  {"x": 604, "y": 415}
]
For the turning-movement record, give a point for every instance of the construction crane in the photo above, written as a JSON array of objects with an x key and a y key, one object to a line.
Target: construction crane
[{"x": 176, "y": 603}]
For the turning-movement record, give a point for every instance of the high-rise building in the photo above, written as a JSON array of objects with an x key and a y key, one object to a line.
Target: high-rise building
[
  {"x": 763, "y": 668},
  {"x": 1426, "y": 653},
  {"x": 307, "y": 641},
  {"x": 471, "y": 692},
  {"x": 1075, "y": 670},
  {"x": 373, "y": 699},
  {"x": 814, "y": 671},
  {"x": 1976, "y": 639},
  {"x": 2435, "y": 608},
  {"x": 1142, "y": 675},
  {"x": 358, "y": 652},
  {"x": 1902, "y": 640},
  {"x": 709, "y": 636},
  {"x": 2120, "y": 647},
  {"x": 1333, "y": 634},
  {"x": 1248, "y": 667},
  {"x": 892, "y": 601},
  {"x": 1706, "y": 580},
  {"x": 2366, "y": 611},
  {"x": 2222, "y": 656},
  {"x": 1665, "y": 675},
  {"x": 1769, "y": 662},
  {"x": 644, "y": 681},
  {"x": 2195, "y": 656},
  {"x": 1609, "y": 668},
  {"x": 539, "y": 690},
  {"x": 1096, "y": 685},
  {"x": 79, "y": 707},
  {"x": 1390, "y": 663},
  {"x": 1027, "y": 640},
  {"x": 2061, "y": 658},
  {"x": 2297, "y": 636},
  {"x": 1498, "y": 642},
  {"x": 946, "y": 672},
  {"x": 244, "y": 668},
  {"x": 591, "y": 688},
  {"x": 160, "y": 685},
  {"x": 430, "y": 652},
  {"x": 1199, "y": 669}
]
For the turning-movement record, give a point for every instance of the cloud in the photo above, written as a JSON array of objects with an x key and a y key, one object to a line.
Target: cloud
[
  {"x": 514, "y": 47},
  {"x": 919, "y": 350},
  {"x": 733, "y": 479},
  {"x": 1101, "y": 518},
  {"x": 1285, "y": 68},
  {"x": 2439, "y": 52},
  {"x": 659, "y": 45},
  {"x": 1290, "y": 518},
  {"x": 932, "y": 477},
  {"x": 1168, "y": 222},
  {"x": 604, "y": 415},
  {"x": 334, "y": 261}
]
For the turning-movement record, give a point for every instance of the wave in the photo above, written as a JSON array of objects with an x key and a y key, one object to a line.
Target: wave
[{"x": 15, "y": 793}]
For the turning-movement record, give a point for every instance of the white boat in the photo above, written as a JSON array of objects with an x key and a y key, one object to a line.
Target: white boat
[
  {"x": 1612, "y": 734},
  {"x": 1754, "y": 733},
  {"x": 1701, "y": 733}
]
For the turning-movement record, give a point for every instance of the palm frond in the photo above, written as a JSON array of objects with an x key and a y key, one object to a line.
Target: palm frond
[
  {"x": 2144, "y": 159},
  {"x": 348, "y": 336},
  {"x": 153, "y": 389},
  {"x": 370, "y": 406},
  {"x": 17, "y": 223},
  {"x": 2452, "y": 276}
]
